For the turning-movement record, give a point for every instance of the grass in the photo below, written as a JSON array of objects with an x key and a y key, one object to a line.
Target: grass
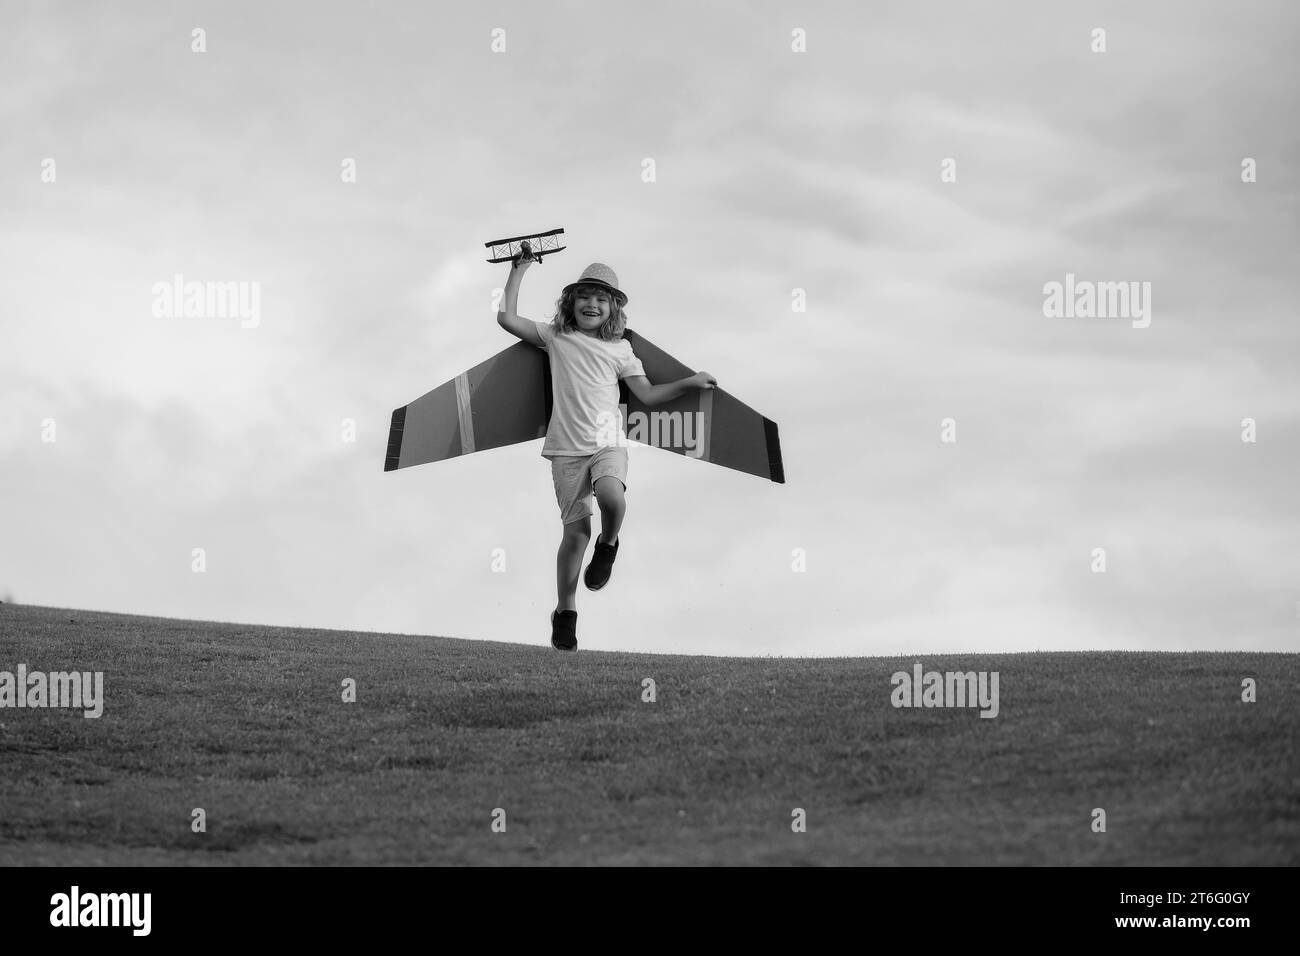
[{"x": 248, "y": 723}]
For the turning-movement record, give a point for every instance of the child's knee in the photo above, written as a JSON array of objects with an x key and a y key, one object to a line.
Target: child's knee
[
  {"x": 578, "y": 531},
  {"x": 609, "y": 491}
]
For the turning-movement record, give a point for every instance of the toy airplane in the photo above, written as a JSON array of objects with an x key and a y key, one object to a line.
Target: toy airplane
[
  {"x": 507, "y": 400},
  {"x": 538, "y": 245}
]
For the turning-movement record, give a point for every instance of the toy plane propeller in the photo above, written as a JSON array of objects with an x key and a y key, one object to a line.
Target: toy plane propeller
[{"x": 507, "y": 399}]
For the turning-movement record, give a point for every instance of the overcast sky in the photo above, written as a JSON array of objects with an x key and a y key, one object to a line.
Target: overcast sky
[{"x": 775, "y": 170}]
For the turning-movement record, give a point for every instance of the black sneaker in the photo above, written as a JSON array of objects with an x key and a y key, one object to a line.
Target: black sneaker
[
  {"x": 602, "y": 562},
  {"x": 564, "y": 630}
]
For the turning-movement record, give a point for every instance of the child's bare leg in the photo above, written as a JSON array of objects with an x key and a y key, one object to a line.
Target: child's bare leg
[
  {"x": 568, "y": 562},
  {"x": 609, "y": 495}
]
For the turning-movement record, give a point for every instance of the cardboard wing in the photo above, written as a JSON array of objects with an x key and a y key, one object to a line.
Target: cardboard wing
[{"x": 507, "y": 400}]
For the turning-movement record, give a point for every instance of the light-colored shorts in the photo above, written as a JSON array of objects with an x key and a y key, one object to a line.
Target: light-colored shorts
[{"x": 575, "y": 475}]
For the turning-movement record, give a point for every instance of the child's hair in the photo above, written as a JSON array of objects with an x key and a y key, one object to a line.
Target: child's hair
[{"x": 611, "y": 329}]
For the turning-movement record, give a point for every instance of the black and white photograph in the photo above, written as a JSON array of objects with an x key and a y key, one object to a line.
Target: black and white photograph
[{"x": 650, "y": 435}]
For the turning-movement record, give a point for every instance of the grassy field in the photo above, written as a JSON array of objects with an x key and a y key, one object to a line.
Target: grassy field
[{"x": 249, "y": 724}]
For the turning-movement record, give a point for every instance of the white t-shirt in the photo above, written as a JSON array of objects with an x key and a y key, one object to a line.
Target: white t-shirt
[{"x": 585, "y": 370}]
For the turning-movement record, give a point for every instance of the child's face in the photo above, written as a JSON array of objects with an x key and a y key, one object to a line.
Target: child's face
[{"x": 589, "y": 301}]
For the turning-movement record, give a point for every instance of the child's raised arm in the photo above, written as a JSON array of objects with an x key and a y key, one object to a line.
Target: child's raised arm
[{"x": 509, "y": 318}]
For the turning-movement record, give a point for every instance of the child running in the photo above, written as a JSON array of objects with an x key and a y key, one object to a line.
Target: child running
[{"x": 588, "y": 355}]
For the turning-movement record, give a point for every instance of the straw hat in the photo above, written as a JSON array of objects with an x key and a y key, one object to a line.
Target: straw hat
[{"x": 599, "y": 274}]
